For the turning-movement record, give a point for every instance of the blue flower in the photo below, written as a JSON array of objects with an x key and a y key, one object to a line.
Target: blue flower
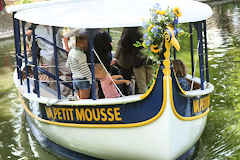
[
  {"x": 145, "y": 25},
  {"x": 145, "y": 36},
  {"x": 157, "y": 6},
  {"x": 148, "y": 42},
  {"x": 154, "y": 29},
  {"x": 175, "y": 21}
]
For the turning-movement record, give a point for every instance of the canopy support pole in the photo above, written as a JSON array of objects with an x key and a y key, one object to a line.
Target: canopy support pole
[
  {"x": 206, "y": 49},
  {"x": 17, "y": 40},
  {"x": 34, "y": 60},
  {"x": 200, "y": 53},
  {"x": 56, "y": 61},
  {"x": 25, "y": 55},
  {"x": 191, "y": 45}
]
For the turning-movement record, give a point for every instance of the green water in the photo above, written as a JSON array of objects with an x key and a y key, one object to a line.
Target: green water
[{"x": 221, "y": 138}]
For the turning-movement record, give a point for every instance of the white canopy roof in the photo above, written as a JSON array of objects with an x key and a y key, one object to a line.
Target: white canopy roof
[{"x": 104, "y": 13}]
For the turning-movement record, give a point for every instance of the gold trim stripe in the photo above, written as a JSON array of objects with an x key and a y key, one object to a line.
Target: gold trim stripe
[
  {"x": 175, "y": 112},
  {"x": 97, "y": 125}
]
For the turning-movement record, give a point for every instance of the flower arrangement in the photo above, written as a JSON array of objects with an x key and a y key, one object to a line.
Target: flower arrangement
[{"x": 155, "y": 27}]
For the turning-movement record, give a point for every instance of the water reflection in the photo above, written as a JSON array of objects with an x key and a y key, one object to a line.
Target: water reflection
[
  {"x": 224, "y": 24},
  {"x": 221, "y": 138}
]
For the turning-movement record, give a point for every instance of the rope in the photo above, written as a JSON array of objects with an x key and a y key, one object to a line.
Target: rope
[{"x": 108, "y": 74}]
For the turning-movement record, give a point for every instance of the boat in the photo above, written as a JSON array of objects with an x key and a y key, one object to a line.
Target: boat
[{"x": 141, "y": 126}]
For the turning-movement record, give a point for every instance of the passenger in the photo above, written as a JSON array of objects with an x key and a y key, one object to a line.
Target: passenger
[
  {"x": 77, "y": 62},
  {"x": 132, "y": 61},
  {"x": 29, "y": 41},
  {"x": 68, "y": 37},
  {"x": 180, "y": 71},
  {"x": 103, "y": 48},
  {"x": 91, "y": 33},
  {"x": 123, "y": 58},
  {"x": 44, "y": 38}
]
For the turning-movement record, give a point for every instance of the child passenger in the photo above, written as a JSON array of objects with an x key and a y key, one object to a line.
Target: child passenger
[
  {"x": 77, "y": 62},
  {"x": 107, "y": 82}
]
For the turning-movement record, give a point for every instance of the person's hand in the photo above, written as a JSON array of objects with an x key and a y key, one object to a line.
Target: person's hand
[
  {"x": 127, "y": 82},
  {"x": 120, "y": 77},
  {"x": 28, "y": 50},
  {"x": 114, "y": 61}
]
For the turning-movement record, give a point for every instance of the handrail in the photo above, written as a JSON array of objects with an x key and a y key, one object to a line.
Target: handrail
[
  {"x": 208, "y": 88},
  {"x": 49, "y": 74},
  {"x": 47, "y": 41}
]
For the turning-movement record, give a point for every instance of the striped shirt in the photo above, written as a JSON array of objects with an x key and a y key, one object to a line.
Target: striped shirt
[{"x": 77, "y": 62}]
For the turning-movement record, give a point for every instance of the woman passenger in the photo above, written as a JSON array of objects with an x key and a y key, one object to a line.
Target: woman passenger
[{"x": 132, "y": 62}]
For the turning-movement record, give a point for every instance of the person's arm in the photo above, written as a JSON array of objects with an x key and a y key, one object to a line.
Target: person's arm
[
  {"x": 127, "y": 82},
  {"x": 28, "y": 39},
  {"x": 65, "y": 41},
  {"x": 99, "y": 75},
  {"x": 117, "y": 77}
]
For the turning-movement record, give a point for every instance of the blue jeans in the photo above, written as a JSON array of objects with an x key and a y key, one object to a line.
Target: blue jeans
[{"x": 81, "y": 84}]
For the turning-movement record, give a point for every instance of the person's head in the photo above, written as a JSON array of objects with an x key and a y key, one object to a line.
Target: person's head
[
  {"x": 103, "y": 47},
  {"x": 29, "y": 31},
  {"x": 82, "y": 42},
  {"x": 102, "y": 43},
  {"x": 130, "y": 36},
  {"x": 179, "y": 68}
]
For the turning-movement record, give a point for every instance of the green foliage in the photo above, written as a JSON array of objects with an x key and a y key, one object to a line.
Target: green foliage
[{"x": 236, "y": 41}]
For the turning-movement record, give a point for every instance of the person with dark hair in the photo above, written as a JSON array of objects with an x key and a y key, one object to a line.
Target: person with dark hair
[
  {"x": 103, "y": 47},
  {"x": 180, "y": 70},
  {"x": 29, "y": 40},
  {"x": 103, "y": 68},
  {"x": 131, "y": 61}
]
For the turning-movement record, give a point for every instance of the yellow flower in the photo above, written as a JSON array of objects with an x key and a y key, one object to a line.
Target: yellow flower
[
  {"x": 177, "y": 12},
  {"x": 150, "y": 27},
  {"x": 144, "y": 45},
  {"x": 154, "y": 48},
  {"x": 160, "y": 12}
]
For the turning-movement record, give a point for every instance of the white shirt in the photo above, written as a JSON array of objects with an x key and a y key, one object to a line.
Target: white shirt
[{"x": 77, "y": 62}]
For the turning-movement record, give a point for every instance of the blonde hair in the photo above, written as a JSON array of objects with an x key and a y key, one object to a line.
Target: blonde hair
[{"x": 179, "y": 68}]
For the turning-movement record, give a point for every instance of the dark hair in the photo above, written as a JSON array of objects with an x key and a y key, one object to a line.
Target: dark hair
[
  {"x": 130, "y": 36},
  {"x": 179, "y": 68},
  {"x": 81, "y": 37},
  {"x": 103, "y": 47}
]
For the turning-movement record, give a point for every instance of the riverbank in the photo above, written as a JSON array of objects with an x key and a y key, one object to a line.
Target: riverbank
[{"x": 6, "y": 29}]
